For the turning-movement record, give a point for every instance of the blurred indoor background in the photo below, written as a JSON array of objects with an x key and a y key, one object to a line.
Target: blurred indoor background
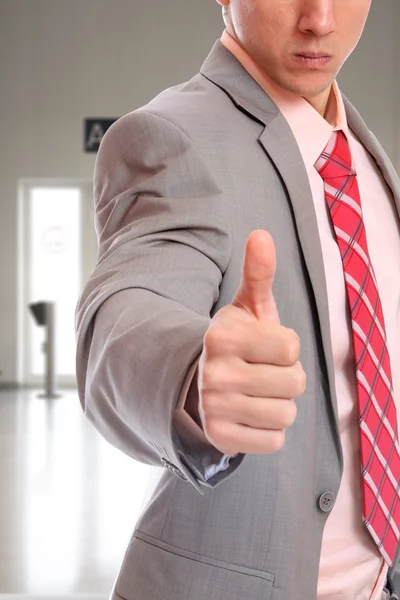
[{"x": 68, "y": 501}]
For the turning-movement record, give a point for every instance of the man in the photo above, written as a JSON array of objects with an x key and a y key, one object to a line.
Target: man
[{"x": 184, "y": 361}]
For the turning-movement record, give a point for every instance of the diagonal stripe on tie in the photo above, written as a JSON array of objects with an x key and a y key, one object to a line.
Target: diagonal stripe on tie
[{"x": 379, "y": 442}]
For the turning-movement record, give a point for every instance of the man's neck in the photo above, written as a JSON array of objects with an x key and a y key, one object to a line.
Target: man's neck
[{"x": 321, "y": 103}]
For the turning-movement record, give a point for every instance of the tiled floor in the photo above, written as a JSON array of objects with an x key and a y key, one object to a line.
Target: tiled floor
[{"x": 68, "y": 501}]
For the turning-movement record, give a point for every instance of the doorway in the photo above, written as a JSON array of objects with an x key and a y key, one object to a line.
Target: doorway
[{"x": 58, "y": 252}]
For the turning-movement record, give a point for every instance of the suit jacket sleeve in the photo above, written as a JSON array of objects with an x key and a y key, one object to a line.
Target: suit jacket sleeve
[{"x": 164, "y": 245}]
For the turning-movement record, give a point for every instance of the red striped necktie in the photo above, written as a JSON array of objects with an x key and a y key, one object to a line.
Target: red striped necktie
[{"x": 379, "y": 446}]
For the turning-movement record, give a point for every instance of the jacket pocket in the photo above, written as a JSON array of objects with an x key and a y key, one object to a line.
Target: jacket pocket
[{"x": 154, "y": 570}]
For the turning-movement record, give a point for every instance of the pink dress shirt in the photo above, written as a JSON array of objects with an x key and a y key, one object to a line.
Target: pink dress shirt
[{"x": 351, "y": 567}]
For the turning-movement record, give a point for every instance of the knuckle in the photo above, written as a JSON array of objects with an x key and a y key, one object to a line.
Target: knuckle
[
  {"x": 221, "y": 340},
  {"x": 289, "y": 413},
  {"x": 292, "y": 348},
  {"x": 208, "y": 404},
  {"x": 229, "y": 377},
  {"x": 210, "y": 339},
  {"x": 220, "y": 436},
  {"x": 208, "y": 376},
  {"x": 299, "y": 381},
  {"x": 276, "y": 441},
  {"x": 220, "y": 375},
  {"x": 211, "y": 429},
  {"x": 294, "y": 335},
  {"x": 290, "y": 351}
]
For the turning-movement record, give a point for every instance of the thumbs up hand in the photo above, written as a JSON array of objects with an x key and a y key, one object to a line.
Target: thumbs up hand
[{"x": 249, "y": 372}]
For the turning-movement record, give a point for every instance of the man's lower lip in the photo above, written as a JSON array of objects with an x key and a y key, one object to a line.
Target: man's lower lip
[{"x": 309, "y": 61}]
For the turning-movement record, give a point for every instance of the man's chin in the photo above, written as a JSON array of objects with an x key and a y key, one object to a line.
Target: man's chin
[{"x": 313, "y": 88}]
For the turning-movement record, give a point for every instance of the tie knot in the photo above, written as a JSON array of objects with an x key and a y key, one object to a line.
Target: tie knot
[{"x": 335, "y": 161}]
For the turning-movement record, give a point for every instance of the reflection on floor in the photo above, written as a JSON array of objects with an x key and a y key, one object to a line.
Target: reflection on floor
[
  {"x": 68, "y": 501},
  {"x": 53, "y": 597}
]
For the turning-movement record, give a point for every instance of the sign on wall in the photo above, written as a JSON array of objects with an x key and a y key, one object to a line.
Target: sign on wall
[{"x": 94, "y": 132}]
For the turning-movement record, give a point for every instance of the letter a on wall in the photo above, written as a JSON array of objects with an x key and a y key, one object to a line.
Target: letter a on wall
[{"x": 94, "y": 132}]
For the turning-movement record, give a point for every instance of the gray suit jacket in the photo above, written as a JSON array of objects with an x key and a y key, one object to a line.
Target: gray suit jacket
[{"x": 179, "y": 186}]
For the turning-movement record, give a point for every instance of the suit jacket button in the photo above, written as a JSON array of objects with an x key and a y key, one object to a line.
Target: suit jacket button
[
  {"x": 178, "y": 473},
  {"x": 326, "y": 502},
  {"x": 173, "y": 469}
]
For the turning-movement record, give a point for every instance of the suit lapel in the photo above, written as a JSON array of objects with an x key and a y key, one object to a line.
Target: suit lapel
[
  {"x": 370, "y": 142},
  {"x": 280, "y": 145}
]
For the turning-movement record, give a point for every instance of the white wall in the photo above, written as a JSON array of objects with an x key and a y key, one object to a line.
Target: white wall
[
  {"x": 396, "y": 79},
  {"x": 64, "y": 60}
]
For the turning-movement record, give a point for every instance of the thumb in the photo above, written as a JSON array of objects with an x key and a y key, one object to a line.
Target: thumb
[{"x": 255, "y": 291}]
